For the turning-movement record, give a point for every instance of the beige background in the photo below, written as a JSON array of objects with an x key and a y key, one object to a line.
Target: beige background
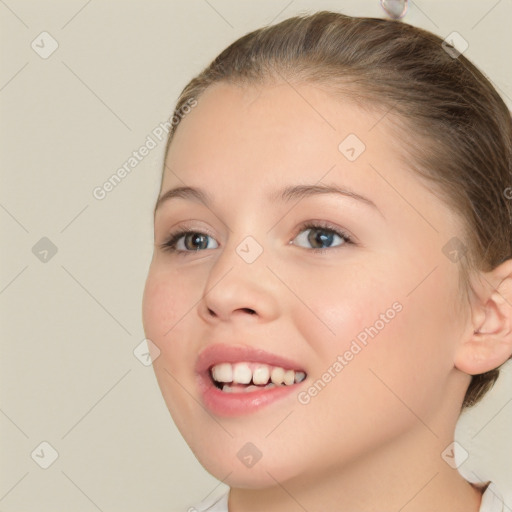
[{"x": 70, "y": 324}]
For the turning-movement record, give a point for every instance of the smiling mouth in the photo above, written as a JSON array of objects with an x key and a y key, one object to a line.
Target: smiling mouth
[{"x": 247, "y": 377}]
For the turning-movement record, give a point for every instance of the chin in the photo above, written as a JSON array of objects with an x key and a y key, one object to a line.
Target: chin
[
  {"x": 226, "y": 463},
  {"x": 259, "y": 476}
]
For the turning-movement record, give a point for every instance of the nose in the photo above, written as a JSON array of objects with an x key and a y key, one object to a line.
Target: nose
[{"x": 237, "y": 291}]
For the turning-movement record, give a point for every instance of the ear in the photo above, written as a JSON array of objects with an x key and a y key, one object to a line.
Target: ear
[{"x": 488, "y": 342}]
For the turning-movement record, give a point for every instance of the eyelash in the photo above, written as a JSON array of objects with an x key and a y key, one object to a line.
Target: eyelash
[{"x": 170, "y": 244}]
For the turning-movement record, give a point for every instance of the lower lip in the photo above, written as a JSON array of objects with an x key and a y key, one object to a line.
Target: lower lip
[{"x": 236, "y": 404}]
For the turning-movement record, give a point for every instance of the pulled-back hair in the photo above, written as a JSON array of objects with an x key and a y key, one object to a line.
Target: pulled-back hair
[{"x": 456, "y": 130}]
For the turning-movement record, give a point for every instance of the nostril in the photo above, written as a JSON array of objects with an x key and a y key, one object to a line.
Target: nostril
[{"x": 246, "y": 310}]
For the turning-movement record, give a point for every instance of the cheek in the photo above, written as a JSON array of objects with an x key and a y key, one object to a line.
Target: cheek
[
  {"x": 165, "y": 301},
  {"x": 340, "y": 306},
  {"x": 164, "y": 309},
  {"x": 383, "y": 350}
]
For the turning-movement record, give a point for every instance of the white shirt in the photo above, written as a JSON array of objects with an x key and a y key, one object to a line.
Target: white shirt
[{"x": 492, "y": 501}]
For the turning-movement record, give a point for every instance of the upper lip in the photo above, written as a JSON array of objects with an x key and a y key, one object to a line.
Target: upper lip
[{"x": 222, "y": 353}]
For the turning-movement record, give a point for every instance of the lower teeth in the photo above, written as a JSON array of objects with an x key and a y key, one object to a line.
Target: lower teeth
[{"x": 226, "y": 388}]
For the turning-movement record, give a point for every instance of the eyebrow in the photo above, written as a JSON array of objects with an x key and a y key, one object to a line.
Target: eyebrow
[
  {"x": 285, "y": 194},
  {"x": 190, "y": 193}
]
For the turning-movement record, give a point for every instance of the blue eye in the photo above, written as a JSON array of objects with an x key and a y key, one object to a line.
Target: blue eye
[{"x": 320, "y": 237}]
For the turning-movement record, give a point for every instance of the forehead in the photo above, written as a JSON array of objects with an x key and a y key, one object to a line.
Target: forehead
[
  {"x": 242, "y": 140},
  {"x": 288, "y": 115},
  {"x": 269, "y": 131}
]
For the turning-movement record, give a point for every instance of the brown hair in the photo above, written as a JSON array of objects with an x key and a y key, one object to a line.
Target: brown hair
[{"x": 461, "y": 127}]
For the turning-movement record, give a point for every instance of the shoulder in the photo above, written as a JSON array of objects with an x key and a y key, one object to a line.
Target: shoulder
[
  {"x": 492, "y": 500},
  {"x": 215, "y": 502}
]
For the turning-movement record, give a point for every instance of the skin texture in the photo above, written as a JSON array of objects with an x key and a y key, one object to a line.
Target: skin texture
[{"x": 372, "y": 438}]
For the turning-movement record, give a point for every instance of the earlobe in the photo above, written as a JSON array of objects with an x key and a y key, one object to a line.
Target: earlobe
[{"x": 488, "y": 343}]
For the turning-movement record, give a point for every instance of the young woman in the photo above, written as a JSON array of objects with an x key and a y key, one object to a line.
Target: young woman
[{"x": 332, "y": 276}]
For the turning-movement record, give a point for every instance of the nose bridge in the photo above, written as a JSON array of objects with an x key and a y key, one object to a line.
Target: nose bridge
[
  {"x": 245, "y": 250},
  {"x": 239, "y": 280}
]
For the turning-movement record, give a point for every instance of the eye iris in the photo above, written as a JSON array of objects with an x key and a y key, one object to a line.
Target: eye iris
[
  {"x": 321, "y": 237},
  {"x": 196, "y": 238}
]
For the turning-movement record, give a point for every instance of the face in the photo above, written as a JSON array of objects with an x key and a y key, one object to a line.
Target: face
[{"x": 350, "y": 288}]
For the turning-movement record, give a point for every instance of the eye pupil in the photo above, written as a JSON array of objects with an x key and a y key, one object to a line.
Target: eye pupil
[
  {"x": 320, "y": 237},
  {"x": 196, "y": 238}
]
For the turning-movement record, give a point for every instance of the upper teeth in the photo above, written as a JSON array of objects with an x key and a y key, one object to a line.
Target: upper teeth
[{"x": 244, "y": 373}]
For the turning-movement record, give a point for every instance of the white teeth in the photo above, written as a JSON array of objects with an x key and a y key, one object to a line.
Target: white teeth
[
  {"x": 242, "y": 374},
  {"x": 277, "y": 375},
  {"x": 255, "y": 375},
  {"x": 289, "y": 377},
  {"x": 223, "y": 372},
  {"x": 261, "y": 374}
]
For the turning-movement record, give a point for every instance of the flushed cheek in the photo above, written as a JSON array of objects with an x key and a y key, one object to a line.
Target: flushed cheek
[
  {"x": 376, "y": 337},
  {"x": 165, "y": 301},
  {"x": 341, "y": 311},
  {"x": 369, "y": 340},
  {"x": 165, "y": 309},
  {"x": 366, "y": 333},
  {"x": 164, "y": 317}
]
